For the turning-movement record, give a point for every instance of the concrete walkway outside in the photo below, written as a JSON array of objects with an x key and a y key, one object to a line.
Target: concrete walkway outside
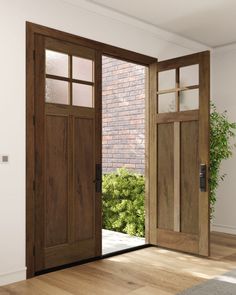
[{"x": 114, "y": 241}]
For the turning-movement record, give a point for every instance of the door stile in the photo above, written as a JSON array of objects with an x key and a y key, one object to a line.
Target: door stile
[
  {"x": 98, "y": 150},
  {"x": 153, "y": 154},
  {"x": 204, "y": 146},
  {"x": 177, "y": 159},
  {"x": 39, "y": 156}
]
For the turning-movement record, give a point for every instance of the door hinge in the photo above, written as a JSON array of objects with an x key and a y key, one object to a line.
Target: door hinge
[
  {"x": 34, "y": 55},
  {"x": 34, "y": 185},
  {"x": 34, "y": 251},
  {"x": 34, "y": 120}
]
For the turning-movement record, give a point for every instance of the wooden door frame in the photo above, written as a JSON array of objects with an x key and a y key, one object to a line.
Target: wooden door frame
[{"x": 101, "y": 49}]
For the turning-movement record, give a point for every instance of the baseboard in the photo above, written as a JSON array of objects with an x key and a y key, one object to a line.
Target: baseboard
[
  {"x": 224, "y": 228},
  {"x": 12, "y": 277}
]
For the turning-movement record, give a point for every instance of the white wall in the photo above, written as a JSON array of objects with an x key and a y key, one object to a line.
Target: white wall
[
  {"x": 224, "y": 94},
  {"x": 116, "y": 30}
]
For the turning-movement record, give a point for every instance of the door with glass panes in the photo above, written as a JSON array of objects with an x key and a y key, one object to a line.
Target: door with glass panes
[
  {"x": 179, "y": 153},
  {"x": 68, "y": 153}
]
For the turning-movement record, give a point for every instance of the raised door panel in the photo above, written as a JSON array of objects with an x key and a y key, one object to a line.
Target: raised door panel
[
  {"x": 189, "y": 186},
  {"x": 56, "y": 181},
  {"x": 165, "y": 186},
  {"x": 84, "y": 175}
]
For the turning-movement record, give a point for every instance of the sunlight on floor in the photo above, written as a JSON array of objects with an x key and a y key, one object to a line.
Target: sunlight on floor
[{"x": 114, "y": 241}]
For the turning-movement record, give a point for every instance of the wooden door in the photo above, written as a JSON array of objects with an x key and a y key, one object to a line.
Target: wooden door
[
  {"x": 179, "y": 153},
  {"x": 68, "y": 150}
]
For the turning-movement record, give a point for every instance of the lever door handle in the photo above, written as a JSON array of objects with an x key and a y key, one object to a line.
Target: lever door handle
[
  {"x": 203, "y": 177},
  {"x": 98, "y": 180}
]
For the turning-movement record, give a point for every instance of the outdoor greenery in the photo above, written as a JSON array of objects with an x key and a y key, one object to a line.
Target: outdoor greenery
[
  {"x": 221, "y": 148},
  {"x": 123, "y": 202},
  {"x": 123, "y": 191}
]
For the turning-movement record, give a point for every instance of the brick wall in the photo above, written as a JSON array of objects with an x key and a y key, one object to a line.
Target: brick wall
[{"x": 123, "y": 115}]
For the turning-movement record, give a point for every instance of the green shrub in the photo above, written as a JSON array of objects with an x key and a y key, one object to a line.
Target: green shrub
[
  {"x": 123, "y": 202},
  {"x": 221, "y": 148}
]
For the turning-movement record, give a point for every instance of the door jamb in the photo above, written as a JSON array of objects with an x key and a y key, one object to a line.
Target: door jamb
[{"x": 102, "y": 49}]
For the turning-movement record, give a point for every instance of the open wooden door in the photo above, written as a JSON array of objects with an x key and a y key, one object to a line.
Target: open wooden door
[
  {"x": 68, "y": 153},
  {"x": 179, "y": 153}
]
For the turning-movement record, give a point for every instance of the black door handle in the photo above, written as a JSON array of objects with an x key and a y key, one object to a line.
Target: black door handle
[
  {"x": 203, "y": 177},
  {"x": 98, "y": 180}
]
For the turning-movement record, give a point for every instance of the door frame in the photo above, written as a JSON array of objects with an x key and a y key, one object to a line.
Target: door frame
[{"x": 101, "y": 49}]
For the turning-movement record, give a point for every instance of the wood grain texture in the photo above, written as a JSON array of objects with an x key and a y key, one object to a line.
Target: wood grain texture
[
  {"x": 104, "y": 48},
  {"x": 152, "y": 161},
  {"x": 94, "y": 50},
  {"x": 178, "y": 62},
  {"x": 194, "y": 205},
  {"x": 148, "y": 271},
  {"x": 30, "y": 152},
  {"x": 65, "y": 47},
  {"x": 178, "y": 89},
  {"x": 68, "y": 253},
  {"x": 177, "y": 157},
  {"x": 177, "y": 176},
  {"x": 67, "y": 150},
  {"x": 147, "y": 153},
  {"x": 165, "y": 176},
  {"x": 204, "y": 131},
  {"x": 98, "y": 149},
  {"x": 39, "y": 160},
  {"x": 177, "y": 116},
  {"x": 56, "y": 178},
  {"x": 64, "y": 110},
  {"x": 84, "y": 175},
  {"x": 189, "y": 178},
  {"x": 177, "y": 241}
]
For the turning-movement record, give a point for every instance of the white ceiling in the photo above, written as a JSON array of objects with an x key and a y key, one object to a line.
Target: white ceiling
[{"x": 210, "y": 22}]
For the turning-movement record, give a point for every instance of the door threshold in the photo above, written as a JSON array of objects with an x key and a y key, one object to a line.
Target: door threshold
[
  {"x": 119, "y": 252},
  {"x": 85, "y": 261}
]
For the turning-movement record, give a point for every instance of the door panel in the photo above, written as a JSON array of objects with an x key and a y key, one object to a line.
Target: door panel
[
  {"x": 68, "y": 147},
  {"x": 179, "y": 140},
  {"x": 84, "y": 176},
  {"x": 56, "y": 178},
  {"x": 165, "y": 185},
  {"x": 189, "y": 177}
]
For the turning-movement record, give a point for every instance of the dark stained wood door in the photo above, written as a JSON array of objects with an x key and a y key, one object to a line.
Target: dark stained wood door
[
  {"x": 68, "y": 150},
  {"x": 179, "y": 153}
]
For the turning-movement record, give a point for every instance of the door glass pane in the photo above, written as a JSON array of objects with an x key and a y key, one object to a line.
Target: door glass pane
[
  {"x": 82, "y": 69},
  {"x": 57, "y": 91},
  {"x": 189, "y": 76},
  {"x": 57, "y": 63},
  {"x": 166, "y": 103},
  {"x": 82, "y": 95},
  {"x": 166, "y": 80},
  {"x": 189, "y": 100}
]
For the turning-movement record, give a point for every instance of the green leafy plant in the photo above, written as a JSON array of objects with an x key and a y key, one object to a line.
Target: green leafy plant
[
  {"x": 123, "y": 202},
  {"x": 221, "y": 148}
]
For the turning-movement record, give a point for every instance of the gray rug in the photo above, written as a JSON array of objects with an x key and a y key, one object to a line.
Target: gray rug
[{"x": 222, "y": 285}]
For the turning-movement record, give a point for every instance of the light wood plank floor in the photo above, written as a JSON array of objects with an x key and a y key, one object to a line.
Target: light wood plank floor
[{"x": 147, "y": 271}]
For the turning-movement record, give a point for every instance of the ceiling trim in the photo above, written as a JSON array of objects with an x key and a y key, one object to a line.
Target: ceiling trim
[{"x": 159, "y": 33}]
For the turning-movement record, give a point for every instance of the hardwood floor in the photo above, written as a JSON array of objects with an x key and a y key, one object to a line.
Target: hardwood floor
[{"x": 147, "y": 271}]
